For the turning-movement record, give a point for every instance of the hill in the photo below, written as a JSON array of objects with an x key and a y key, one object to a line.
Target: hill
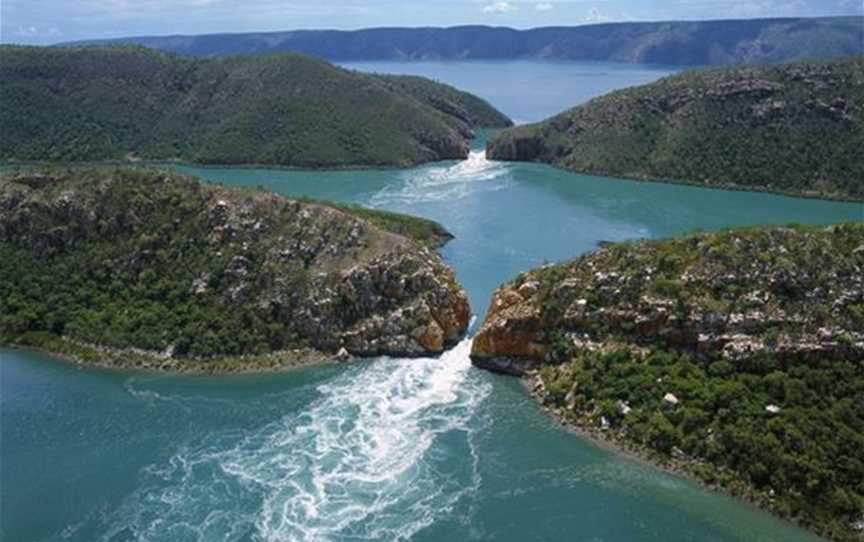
[
  {"x": 464, "y": 106},
  {"x": 103, "y": 263},
  {"x": 682, "y": 43},
  {"x": 131, "y": 103},
  {"x": 794, "y": 128},
  {"x": 736, "y": 357}
]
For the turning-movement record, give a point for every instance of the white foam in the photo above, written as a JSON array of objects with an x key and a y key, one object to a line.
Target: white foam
[
  {"x": 437, "y": 183},
  {"x": 359, "y": 462}
]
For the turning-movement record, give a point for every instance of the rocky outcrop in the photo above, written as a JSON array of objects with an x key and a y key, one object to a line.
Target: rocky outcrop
[
  {"x": 716, "y": 128},
  {"x": 524, "y": 147},
  {"x": 404, "y": 302},
  {"x": 446, "y": 146},
  {"x": 797, "y": 295},
  {"x": 510, "y": 340},
  {"x": 261, "y": 272}
]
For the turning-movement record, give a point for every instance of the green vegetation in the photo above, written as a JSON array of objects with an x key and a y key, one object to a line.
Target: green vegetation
[
  {"x": 95, "y": 294},
  {"x": 793, "y": 129},
  {"x": 427, "y": 232},
  {"x": 424, "y": 231},
  {"x": 465, "y": 106},
  {"x": 757, "y": 334},
  {"x": 154, "y": 260},
  {"x": 803, "y": 462},
  {"x": 130, "y": 103},
  {"x": 803, "y": 281}
]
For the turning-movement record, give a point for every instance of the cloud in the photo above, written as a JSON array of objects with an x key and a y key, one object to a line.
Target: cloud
[
  {"x": 38, "y": 21},
  {"x": 594, "y": 16},
  {"x": 137, "y": 8},
  {"x": 499, "y": 7},
  {"x": 37, "y": 32}
]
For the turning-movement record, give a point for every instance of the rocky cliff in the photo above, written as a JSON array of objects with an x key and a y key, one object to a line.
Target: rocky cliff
[
  {"x": 794, "y": 128},
  {"x": 797, "y": 294},
  {"x": 161, "y": 262}
]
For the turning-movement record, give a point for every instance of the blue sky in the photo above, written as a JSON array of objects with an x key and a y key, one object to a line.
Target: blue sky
[{"x": 51, "y": 21}]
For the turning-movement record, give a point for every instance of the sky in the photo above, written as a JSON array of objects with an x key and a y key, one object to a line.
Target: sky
[{"x": 53, "y": 21}]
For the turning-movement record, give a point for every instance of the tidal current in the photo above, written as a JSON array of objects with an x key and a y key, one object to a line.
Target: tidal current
[{"x": 385, "y": 449}]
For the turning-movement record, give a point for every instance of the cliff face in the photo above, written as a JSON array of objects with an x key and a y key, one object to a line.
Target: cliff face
[
  {"x": 794, "y": 128},
  {"x": 796, "y": 295},
  {"x": 129, "y": 103},
  {"x": 158, "y": 261}
]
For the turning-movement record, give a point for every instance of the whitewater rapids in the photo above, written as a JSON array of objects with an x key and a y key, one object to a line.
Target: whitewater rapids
[{"x": 354, "y": 464}]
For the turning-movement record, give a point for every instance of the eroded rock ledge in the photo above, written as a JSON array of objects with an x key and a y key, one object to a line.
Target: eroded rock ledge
[
  {"x": 162, "y": 263},
  {"x": 797, "y": 294}
]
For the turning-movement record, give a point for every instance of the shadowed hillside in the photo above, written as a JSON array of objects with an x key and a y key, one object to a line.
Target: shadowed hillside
[
  {"x": 794, "y": 128},
  {"x": 752, "y": 41},
  {"x": 129, "y": 103}
]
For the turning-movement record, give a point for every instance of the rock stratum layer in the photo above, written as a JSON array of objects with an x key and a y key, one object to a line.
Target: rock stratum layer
[
  {"x": 131, "y": 103},
  {"x": 160, "y": 262},
  {"x": 681, "y": 43},
  {"x": 797, "y": 294},
  {"x": 795, "y": 128},
  {"x": 736, "y": 357}
]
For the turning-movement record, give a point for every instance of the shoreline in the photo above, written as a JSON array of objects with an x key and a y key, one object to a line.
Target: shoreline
[
  {"x": 183, "y": 163},
  {"x": 88, "y": 356},
  {"x": 606, "y": 176},
  {"x": 611, "y": 442},
  {"x": 179, "y": 162},
  {"x": 85, "y": 355}
]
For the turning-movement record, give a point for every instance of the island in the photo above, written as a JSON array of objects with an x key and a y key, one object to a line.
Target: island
[
  {"x": 149, "y": 269},
  {"x": 131, "y": 104},
  {"x": 735, "y": 357},
  {"x": 794, "y": 128}
]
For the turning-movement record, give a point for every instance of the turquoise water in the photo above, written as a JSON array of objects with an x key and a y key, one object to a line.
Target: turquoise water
[
  {"x": 510, "y": 217},
  {"x": 526, "y": 90},
  {"x": 427, "y": 450}
]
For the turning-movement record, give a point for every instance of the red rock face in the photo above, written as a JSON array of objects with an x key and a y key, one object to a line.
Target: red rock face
[
  {"x": 512, "y": 329},
  {"x": 790, "y": 294},
  {"x": 454, "y": 317},
  {"x": 405, "y": 302}
]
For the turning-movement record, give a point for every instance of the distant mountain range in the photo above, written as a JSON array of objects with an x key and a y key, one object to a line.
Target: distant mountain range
[{"x": 752, "y": 41}]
